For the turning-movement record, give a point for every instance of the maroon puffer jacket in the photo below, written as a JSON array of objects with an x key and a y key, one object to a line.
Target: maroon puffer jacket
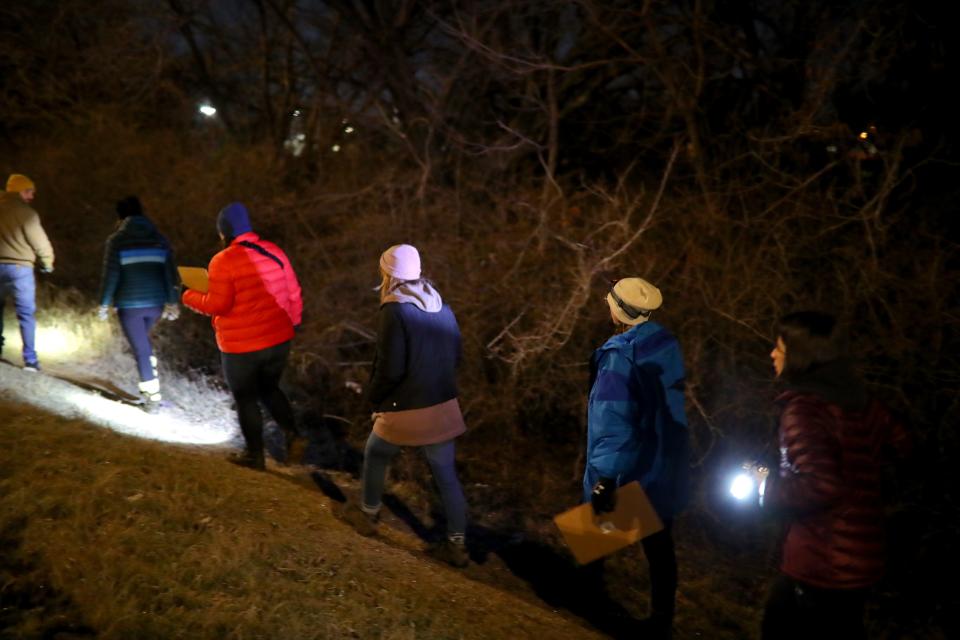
[{"x": 829, "y": 484}]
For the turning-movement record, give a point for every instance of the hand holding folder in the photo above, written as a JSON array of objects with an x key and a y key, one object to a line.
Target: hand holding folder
[
  {"x": 592, "y": 536},
  {"x": 194, "y": 278}
]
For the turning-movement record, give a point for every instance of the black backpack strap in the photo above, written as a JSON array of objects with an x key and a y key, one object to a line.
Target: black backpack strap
[{"x": 261, "y": 251}]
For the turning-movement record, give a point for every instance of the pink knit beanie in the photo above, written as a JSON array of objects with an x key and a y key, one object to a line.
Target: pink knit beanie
[{"x": 401, "y": 261}]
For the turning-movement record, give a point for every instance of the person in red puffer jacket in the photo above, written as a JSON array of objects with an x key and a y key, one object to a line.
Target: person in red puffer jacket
[
  {"x": 254, "y": 298},
  {"x": 828, "y": 485}
]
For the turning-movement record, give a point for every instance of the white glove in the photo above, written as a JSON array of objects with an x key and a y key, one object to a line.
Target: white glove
[
  {"x": 103, "y": 312},
  {"x": 170, "y": 311}
]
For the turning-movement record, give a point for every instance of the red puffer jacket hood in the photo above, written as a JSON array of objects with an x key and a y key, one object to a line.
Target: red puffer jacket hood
[
  {"x": 253, "y": 296},
  {"x": 829, "y": 488}
]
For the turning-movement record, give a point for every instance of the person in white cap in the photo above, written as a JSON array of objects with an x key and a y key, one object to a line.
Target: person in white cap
[
  {"x": 637, "y": 430},
  {"x": 413, "y": 391}
]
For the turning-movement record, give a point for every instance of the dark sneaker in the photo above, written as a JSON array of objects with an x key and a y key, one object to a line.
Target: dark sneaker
[
  {"x": 296, "y": 447},
  {"x": 453, "y": 553},
  {"x": 33, "y": 367},
  {"x": 246, "y": 459},
  {"x": 362, "y": 522},
  {"x": 655, "y": 627}
]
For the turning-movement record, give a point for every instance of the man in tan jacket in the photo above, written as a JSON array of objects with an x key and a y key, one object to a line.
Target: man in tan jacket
[{"x": 22, "y": 243}]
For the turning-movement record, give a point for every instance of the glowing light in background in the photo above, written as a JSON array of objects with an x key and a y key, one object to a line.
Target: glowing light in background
[
  {"x": 207, "y": 110},
  {"x": 335, "y": 148}
]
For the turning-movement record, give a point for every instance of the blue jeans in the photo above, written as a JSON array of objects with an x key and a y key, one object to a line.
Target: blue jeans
[
  {"x": 17, "y": 280},
  {"x": 136, "y": 324},
  {"x": 440, "y": 456}
]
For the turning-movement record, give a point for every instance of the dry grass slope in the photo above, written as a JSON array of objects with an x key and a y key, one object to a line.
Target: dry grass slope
[{"x": 113, "y": 537}]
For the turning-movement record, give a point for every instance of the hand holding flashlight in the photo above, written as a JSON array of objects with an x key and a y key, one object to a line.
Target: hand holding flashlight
[{"x": 750, "y": 482}]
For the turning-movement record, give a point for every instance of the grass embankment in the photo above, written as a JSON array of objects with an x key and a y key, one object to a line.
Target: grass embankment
[
  {"x": 109, "y": 536},
  {"x": 118, "y": 537}
]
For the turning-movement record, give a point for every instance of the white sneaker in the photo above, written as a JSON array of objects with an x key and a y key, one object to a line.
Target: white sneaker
[{"x": 150, "y": 390}]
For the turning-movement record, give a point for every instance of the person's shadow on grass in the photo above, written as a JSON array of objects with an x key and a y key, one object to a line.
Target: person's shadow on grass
[{"x": 556, "y": 579}]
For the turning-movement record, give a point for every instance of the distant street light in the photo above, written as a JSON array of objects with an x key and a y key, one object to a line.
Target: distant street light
[{"x": 208, "y": 110}]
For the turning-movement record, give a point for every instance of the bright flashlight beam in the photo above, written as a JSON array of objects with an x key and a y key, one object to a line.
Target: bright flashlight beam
[
  {"x": 53, "y": 342},
  {"x": 132, "y": 421},
  {"x": 742, "y": 486},
  {"x": 208, "y": 110}
]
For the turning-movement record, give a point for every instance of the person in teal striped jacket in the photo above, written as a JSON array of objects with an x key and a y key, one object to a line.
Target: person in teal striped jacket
[
  {"x": 140, "y": 279},
  {"x": 637, "y": 430}
]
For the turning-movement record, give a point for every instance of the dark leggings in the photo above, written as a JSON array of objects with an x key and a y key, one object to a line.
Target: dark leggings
[
  {"x": 795, "y": 610},
  {"x": 136, "y": 325},
  {"x": 662, "y": 558},
  {"x": 253, "y": 377}
]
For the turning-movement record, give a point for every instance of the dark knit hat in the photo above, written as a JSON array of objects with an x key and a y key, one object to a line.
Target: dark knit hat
[
  {"x": 233, "y": 220},
  {"x": 129, "y": 206}
]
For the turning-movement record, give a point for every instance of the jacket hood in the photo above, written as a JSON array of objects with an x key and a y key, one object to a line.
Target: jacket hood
[
  {"x": 420, "y": 293},
  {"x": 631, "y": 335},
  {"x": 835, "y": 382},
  {"x": 138, "y": 227},
  {"x": 12, "y": 199}
]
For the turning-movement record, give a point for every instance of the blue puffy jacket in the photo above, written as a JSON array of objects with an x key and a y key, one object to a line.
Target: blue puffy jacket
[
  {"x": 138, "y": 267},
  {"x": 636, "y": 423}
]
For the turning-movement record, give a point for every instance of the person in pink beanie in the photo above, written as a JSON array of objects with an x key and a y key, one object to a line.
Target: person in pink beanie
[{"x": 413, "y": 391}]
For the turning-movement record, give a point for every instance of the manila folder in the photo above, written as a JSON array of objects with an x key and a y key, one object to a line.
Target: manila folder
[
  {"x": 590, "y": 536},
  {"x": 194, "y": 278}
]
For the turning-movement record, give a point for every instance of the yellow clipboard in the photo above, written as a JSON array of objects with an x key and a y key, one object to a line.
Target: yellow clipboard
[
  {"x": 194, "y": 278},
  {"x": 590, "y": 536}
]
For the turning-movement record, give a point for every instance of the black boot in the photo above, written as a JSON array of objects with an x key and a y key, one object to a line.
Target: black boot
[
  {"x": 247, "y": 459},
  {"x": 296, "y": 446}
]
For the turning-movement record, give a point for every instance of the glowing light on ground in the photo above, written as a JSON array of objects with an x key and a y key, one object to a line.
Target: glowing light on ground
[
  {"x": 208, "y": 110},
  {"x": 52, "y": 342},
  {"x": 133, "y": 421}
]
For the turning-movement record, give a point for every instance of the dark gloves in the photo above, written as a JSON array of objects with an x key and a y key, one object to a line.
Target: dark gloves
[{"x": 603, "y": 498}]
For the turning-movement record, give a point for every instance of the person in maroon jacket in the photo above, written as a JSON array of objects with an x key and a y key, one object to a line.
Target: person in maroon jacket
[{"x": 828, "y": 484}]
